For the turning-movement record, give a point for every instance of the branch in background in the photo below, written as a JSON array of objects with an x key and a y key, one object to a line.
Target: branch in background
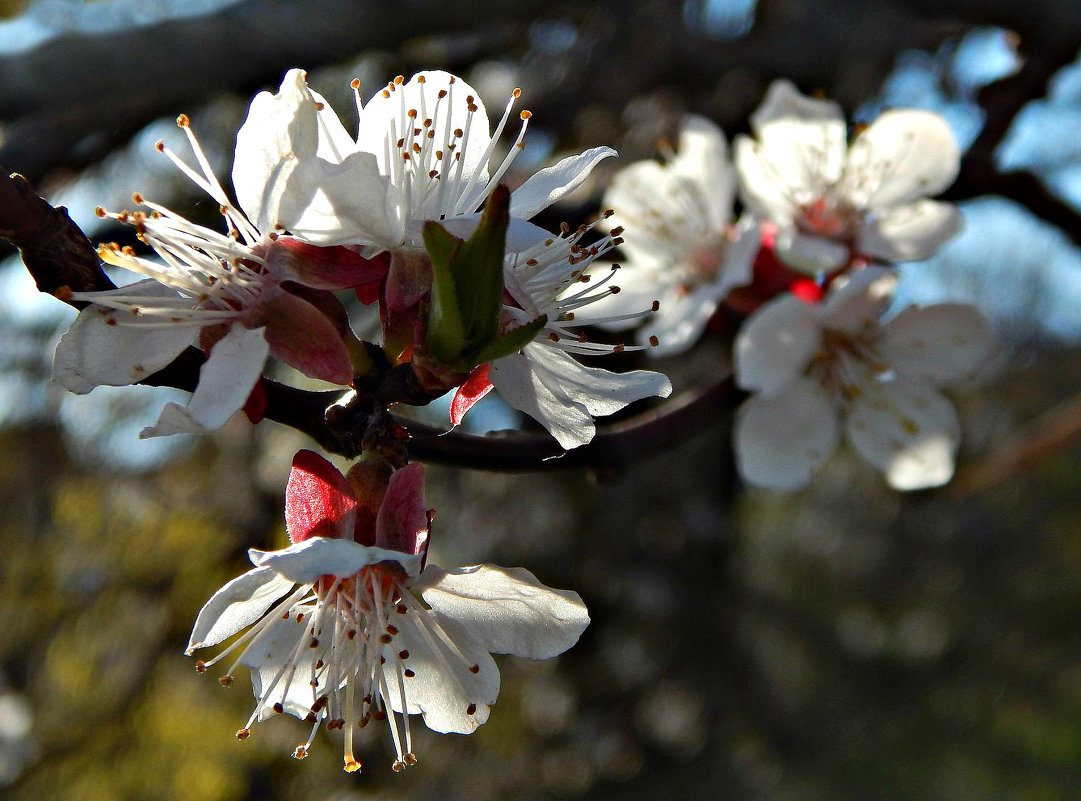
[
  {"x": 54, "y": 250},
  {"x": 58, "y": 255},
  {"x": 1002, "y": 101}
]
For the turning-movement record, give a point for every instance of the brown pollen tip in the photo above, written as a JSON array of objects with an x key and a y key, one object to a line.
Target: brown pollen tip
[
  {"x": 243, "y": 734},
  {"x": 160, "y": 146},
  {"x": 355, "y": 83},
  {"x": 183, "y": 121},
  {"x": 526, "y": 114},
  {"x": 653, "y": 341}
]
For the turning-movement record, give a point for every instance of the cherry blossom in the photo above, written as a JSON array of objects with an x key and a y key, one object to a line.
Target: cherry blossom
[
  {"x": 224, "y": 288},
  {"x": 348, "y": 625},
  {"x": 682, "y": 245},
  {"x": 819, "y": 368},
  {"x": 834, "y": 202},
  {"x": 422, "y": 153}
]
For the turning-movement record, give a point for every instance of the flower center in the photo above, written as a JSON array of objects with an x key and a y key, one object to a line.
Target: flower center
[
  {"x": 845, "y": 362},
  {"x": 828, "y": 217}
]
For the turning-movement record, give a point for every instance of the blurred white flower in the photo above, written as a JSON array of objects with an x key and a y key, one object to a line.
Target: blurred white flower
[
  {"x": 815, "y": 367},
  {"x": 833, "y": 202},
  {"x": 683, "y": 248}
]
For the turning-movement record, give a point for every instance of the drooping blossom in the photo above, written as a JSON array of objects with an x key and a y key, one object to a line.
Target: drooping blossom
[
  {"x": 548, "y": 275},
  {"x": 428, "y": 141},
  {"x": 817, "y": 369},
  {"x": 348, "y": 625},
  {"x": 225, "y": 289},
  {"x": 683, "y": 247},
  {"x": 834, "y": 202}
]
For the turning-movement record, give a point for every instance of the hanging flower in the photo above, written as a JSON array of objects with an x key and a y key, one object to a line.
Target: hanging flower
[
  {"x": 347, "y": 625},
  {"x": 833, "y": 202},
  {"x": 227, "y": 289},
  {"x": 818, "y": 367},
  {"x": 422, "y": 153},
  {"x": 683, "y": 247}
]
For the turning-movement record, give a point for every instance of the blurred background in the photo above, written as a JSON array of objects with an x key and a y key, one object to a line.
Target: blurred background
[{"x": 845, "y": 642}]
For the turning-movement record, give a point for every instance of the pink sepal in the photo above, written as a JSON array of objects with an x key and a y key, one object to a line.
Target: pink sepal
[
  {"x": 302, "y": 336},
  {"x": 472, "y": 390},
  {"x": 318, "y": 500},
  {"x": 334, "y": 267},
  {"x": 402, "y": 523}
]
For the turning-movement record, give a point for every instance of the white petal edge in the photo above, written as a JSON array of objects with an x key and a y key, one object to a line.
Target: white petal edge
[
  {"x": 776, "y": 343},
  {"x": 911, "y": 232},
  {"x": 507, "y": 610},
  {"x": 237, "y": 605},
  {"x": 549, "y": 185},
  {"x": 908, "y": 431},
  {"x": 306, "y": 561},
  {"x": 904, "y": 155},
  {"x": 226, "y": 380},
  {"x": 780, "y": 441},
  {"x": 96, "y": 352},
  {"x": 859, "y": 299},
  {"x": 939, "y": 344}
]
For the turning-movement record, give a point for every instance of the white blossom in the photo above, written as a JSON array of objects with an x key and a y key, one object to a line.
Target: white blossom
[
  {"x": 817, "y": 369},
  {"x": 342, "y": 634},
  {"x": 225, "y": 288},
  {"x": 422, "y": 152},
  {"x": 683, "y": 246},
  {"x": 548, "y": 275},
  {"x": 833, "y": 202}
]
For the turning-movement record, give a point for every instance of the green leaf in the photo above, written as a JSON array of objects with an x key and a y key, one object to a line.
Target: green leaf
[
  {"x": 478, "y": 272},
  {"x": 445, "y": 333},
  {"x": 510, "y": 342}
]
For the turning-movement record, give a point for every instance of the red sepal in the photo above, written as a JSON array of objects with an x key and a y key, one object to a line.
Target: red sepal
[
  {"x": 318, "y": 500},
  {"x": 472, "y": 390},
  {"x": 255, "y": 405}
]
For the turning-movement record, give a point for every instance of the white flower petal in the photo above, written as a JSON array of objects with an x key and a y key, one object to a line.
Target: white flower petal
[
  {"x": 549, "y": 185},
  {"x": 908, "y": 431},
  {"x": 809, "y": 253},
  {"x": 803, "y": 139},
  {"x": 389, "y": 108},
  {"x": 680, "y": 321},
  {"x": 776, "y": 343},
  {"x": 937, "y": 344},
  {"x": 859, "y": 299},
  {"x": 105, "y": 347},
  {"x": 767, "y": 194},
  {"x": 702, "y": 157},
  {"x": 562, "y": 395},
  {"x": 451, "y": 696},
  {"x": 226, "y": 380},
  {"x": 306, "y": 561},
  {"x": 781, "y": 440},
  {"x": 296, "y": 168},
  {"x": 236, "y": 606},
  {"x": 270, "y": 652},
  {"x": 910, "y": 232},
  {"x": 904, "y": 155},
  {"x": 507, "y": 610}
]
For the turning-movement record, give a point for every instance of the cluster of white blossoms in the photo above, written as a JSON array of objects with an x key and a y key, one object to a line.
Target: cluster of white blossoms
[
  {"x": 822, "y": 222},
  {"x": 348, "y": 624}
]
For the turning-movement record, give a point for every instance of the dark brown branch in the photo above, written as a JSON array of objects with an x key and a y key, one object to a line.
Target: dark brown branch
[
  {"x": 53, "y": 248},
  {"x": 614, "y": 447},
  {"x": 1003, "y": 101}
]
